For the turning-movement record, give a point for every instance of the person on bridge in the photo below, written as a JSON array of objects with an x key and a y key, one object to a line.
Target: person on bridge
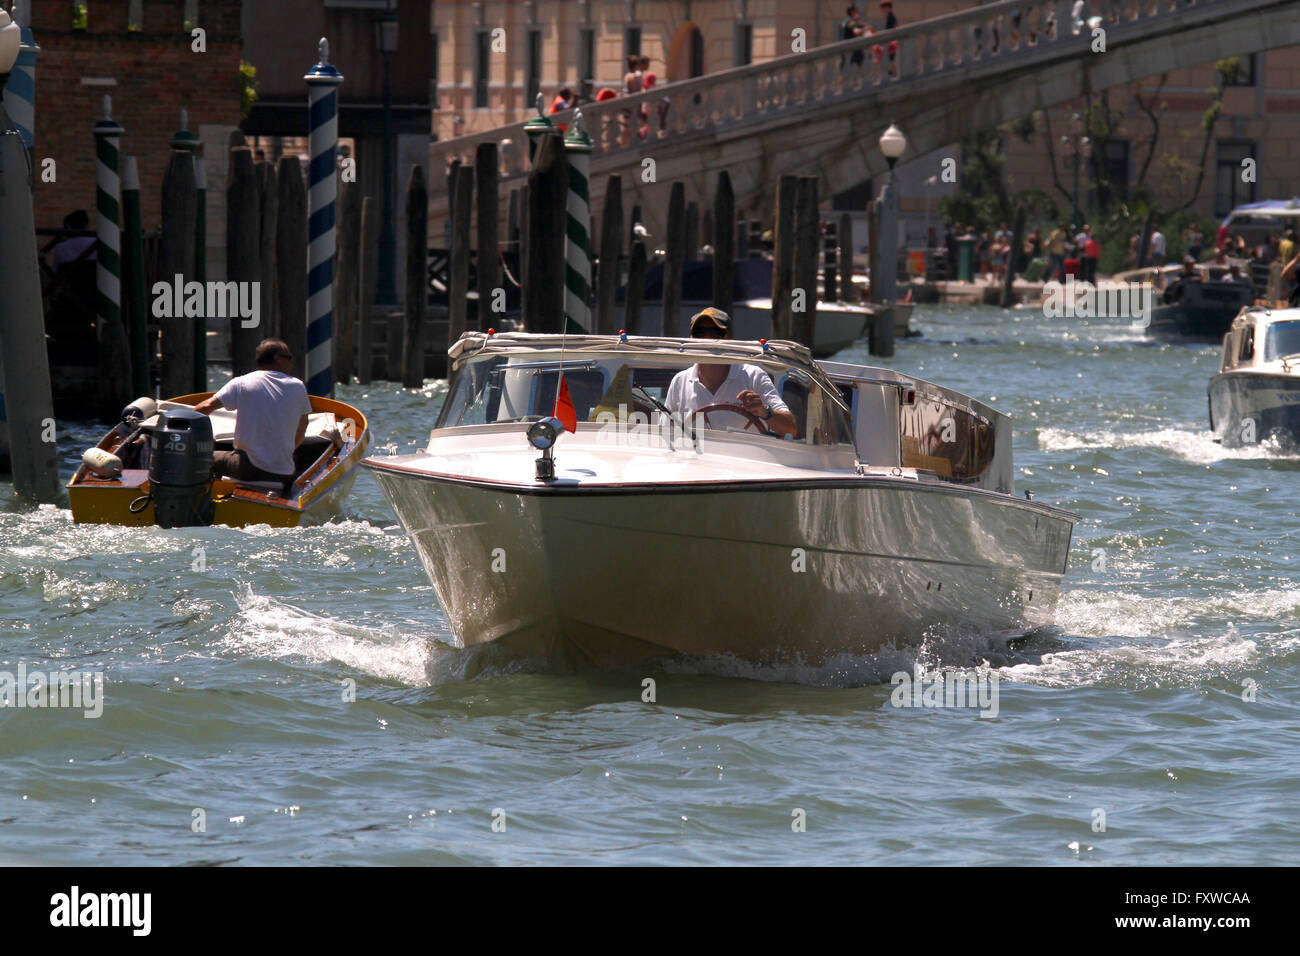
[{"x": 852, "y": 27}]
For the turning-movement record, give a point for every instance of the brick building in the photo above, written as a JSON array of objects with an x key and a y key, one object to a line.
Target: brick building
[{"x": 139, "y": 52}]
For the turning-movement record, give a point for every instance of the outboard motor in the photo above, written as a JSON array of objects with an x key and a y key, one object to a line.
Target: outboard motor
[{"x": 180, "y": 468}]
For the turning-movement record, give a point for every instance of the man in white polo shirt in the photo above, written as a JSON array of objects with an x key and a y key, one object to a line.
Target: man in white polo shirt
[
  {"x": 273, "y": 407},
  {"x": 719, "y": 383}
]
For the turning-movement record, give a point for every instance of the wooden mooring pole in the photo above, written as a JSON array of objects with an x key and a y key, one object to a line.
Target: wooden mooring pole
[
  {"x": 783, "y": 237},
  {"x": 803, "y": 312},
  {"x": 291, "y": 255},
  {"x": 417, "y": 241},
  {"x": 346, "y": 280},
  {"x": 635, "y": 292},
  {"x": 675, "y": 244},
  {"x": 611, "y": 250},
  {"x": 724, "y": 249},
  {"x": 366, "y": 288},
  {"x": 243, "y": 250},
  {"x": 487, "y": 166},
  {"x": 176, "y": 257}
]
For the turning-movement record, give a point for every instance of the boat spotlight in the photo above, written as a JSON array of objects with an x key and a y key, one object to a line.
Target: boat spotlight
[{"x": 542, "y": 435}]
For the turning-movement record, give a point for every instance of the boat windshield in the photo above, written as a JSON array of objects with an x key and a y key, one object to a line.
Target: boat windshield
[
  {"x": 495, "y": 388},
  {"x": 1283, "y": 339}
]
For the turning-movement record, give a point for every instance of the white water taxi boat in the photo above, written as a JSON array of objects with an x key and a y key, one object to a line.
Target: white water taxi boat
[
  {"x": 1255, "y": 397},
  {"x": 890, "y": 512}
]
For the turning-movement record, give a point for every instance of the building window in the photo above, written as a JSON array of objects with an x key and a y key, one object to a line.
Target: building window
[
  {"x": 135, "y": 16},
  {"x": 191, "y": 14},
  {"x": 697, "y": 53},
  {"x": 1245, "y": 72},
  {"x": 631, "y": 42},
  {"x": 482, "y": 59},
  {"x": 1229, "y": 190},
  {"x": 80, "y": 18},
  {"x": 744, "y": 44},
  {"x": 533, "y": 67},
  {"x": 586, "y": 54},
  {"x": 1114, "y": 170}
]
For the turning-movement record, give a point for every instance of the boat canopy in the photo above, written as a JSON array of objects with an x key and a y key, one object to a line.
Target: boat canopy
[{"x": 1275, "y": 209}]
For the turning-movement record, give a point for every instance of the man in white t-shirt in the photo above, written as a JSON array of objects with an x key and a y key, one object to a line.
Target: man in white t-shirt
[
  {"x": 716, "y": 383},
  {"x": 1156, "y": 248},
  {"x": 273, "y": 407}
]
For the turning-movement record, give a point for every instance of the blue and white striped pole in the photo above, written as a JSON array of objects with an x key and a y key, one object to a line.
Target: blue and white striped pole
[
  {"x": 322, "y": 192},
  {"x": 20, "y": 93},
  {"x": 108, "y": 221}
]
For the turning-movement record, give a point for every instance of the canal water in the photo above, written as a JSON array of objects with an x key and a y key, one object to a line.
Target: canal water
[{"x": 1157, "y": 725}]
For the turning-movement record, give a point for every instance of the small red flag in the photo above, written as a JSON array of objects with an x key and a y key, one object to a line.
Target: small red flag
[{"x": 564, "y": 409}]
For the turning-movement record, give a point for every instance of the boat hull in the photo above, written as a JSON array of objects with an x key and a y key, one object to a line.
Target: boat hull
[
  {"x": 1250, "y": 407},
  {"x": 765, "y": 571}
]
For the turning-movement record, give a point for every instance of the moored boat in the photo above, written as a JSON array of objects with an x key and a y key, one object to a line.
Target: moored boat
[
  {"x": 154, "y": 468},
  {"x": 1255, "y": 396},
  {"x": 1199, "y": 310},
  {"x": 888, "y": 513}
]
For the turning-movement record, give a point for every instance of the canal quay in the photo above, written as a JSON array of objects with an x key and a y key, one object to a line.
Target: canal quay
[{"x": 624, "y": 433}]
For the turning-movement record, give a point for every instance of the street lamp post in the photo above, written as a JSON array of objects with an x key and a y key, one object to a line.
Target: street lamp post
[
  {"x": 1078, "y": 147},
  {"x": 884, "y": 274},
  {"x": 386, "y": 41},
  {"x": 892, "y": 144}
]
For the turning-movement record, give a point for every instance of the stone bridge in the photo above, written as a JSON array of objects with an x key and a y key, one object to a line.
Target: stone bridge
[{"x": 822, "y": 111}]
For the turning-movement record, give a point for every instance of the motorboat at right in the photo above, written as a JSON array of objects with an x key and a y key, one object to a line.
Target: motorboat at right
[
  {"x": 1255, "y": 397},
  {"x": 1200, "y": 307}
]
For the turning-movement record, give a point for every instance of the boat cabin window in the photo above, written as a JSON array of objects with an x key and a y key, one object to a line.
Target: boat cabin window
[
  {"x": 518, "y": 387},
  {"x": 1282, "y": 340},
  {"x": 1247, "y": 344},
  {"x": 951, "y": 441}
]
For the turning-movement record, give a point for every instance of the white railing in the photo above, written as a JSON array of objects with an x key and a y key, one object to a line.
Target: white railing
[{"x": 1001, "y": 36}]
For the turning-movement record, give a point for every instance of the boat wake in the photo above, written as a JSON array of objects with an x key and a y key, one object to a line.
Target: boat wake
[
  {"x": 1191, "y": 444},
  {"x": 272, "y": 630}
]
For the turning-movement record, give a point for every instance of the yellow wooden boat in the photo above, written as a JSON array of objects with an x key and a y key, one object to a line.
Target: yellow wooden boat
[{"x": 112, "y": 485}]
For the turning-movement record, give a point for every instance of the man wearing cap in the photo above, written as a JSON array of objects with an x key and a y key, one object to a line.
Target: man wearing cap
[{"x": 718, "y": 383}]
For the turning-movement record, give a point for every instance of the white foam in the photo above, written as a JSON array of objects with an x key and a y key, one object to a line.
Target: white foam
[
  {"x": 1189, "y": 442},
  {"x": 267, "y": 628}
]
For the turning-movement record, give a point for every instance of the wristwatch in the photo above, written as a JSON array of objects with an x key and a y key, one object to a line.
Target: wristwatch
[{"x": 770, "y": 412}]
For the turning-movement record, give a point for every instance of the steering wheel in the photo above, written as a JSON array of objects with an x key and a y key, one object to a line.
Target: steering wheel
[{"x": 754, "y": 420}]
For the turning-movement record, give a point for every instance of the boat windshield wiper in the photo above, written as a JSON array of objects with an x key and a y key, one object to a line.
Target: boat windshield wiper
[
  {"x": 663, "y": 409},
  {"x": 1289, "y": 360},
  {"x": 650, "y": 399}
]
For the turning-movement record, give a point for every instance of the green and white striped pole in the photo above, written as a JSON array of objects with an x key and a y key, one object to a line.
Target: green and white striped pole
[
  {"x": 108, "y": 207},
  {"x": 577, "y": 251}
]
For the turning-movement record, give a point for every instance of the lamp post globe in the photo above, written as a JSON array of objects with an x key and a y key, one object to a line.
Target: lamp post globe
[
  {"x": 10, "y": 37},
  {"x": 892, "y": 144}
]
